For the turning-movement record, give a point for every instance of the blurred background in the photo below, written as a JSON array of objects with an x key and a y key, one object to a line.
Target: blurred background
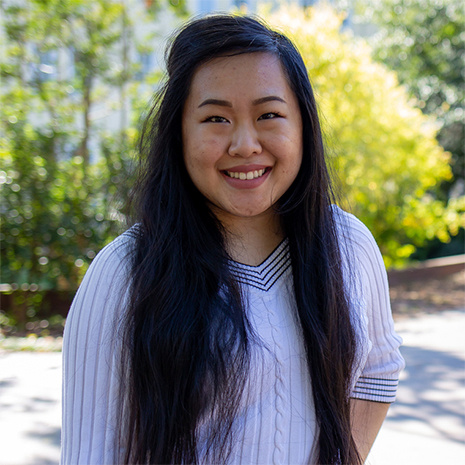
[{"x": 77, "y": 77}]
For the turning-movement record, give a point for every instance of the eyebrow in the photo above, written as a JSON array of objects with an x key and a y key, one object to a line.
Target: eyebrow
[
  {"x": 214, "y": 101},
  {"x": 269, "y": 98},
  {"x": 226, "y": 103}
]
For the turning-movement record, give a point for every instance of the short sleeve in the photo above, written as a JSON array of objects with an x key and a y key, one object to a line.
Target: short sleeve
[
  {"x": 90, "y": 359},
  {"x": 381, "y": 363}
]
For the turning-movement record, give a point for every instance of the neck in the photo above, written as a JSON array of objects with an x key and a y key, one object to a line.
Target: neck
[{"x": 252, "y": 240}]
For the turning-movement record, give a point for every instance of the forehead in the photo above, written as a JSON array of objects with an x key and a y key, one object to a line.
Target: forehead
[{"x": 240, "y": 74}]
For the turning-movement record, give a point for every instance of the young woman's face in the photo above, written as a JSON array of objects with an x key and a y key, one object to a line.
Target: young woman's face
[{"x": 242, "y": 134}]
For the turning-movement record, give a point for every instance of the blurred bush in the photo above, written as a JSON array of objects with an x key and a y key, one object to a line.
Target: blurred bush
[
  {"x": 385, "y": 153},
  {"x": 65, "y": 172},
  {"x": 424, "y": 42}
]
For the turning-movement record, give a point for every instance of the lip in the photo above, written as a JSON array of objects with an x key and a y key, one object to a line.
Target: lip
[
  {"x": 246, "y": 168},
  {"x": 246, "y": 183}
]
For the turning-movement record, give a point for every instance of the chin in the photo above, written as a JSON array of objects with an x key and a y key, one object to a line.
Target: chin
[{"x": 254, "y": 212}]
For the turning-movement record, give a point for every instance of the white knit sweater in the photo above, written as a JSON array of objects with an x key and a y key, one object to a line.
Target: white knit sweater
[{"x": 276, "y": 424}]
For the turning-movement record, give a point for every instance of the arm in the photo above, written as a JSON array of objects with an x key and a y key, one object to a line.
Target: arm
[
  {"x": 379, "y": 358},
  {"x": 90, "y": 362},
  {"x": 366, "y": 418}
]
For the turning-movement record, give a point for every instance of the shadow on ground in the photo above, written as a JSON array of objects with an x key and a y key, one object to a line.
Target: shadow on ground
[
  {"x": 432, "y": 393},
  {"x": 47, "y": 435}
]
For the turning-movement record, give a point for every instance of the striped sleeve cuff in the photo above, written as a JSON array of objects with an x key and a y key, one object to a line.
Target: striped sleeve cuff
[{"x": 375, "y": 389}]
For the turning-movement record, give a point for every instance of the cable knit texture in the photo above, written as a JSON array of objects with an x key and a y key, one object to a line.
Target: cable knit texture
[{"x": 277, "y": 420}]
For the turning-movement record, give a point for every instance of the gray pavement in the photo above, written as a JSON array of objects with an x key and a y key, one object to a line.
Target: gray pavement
[
  {"x": 427, "y": 423},
  {"x": 425, "y": 426},
  {"x": 30, "y": 408}
]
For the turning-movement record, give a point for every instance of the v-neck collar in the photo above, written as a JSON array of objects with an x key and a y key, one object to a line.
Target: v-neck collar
[{"x": 265, "y": 275}]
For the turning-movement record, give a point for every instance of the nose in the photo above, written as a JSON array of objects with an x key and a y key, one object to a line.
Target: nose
[{"x": 244, "y": 142}]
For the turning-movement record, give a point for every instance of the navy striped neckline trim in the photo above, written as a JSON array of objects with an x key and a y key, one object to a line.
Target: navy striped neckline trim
[{"x": 265, "y": 275}]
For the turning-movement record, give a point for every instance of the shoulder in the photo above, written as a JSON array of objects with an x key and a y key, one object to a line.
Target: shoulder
[
  {"x": 350, "y": 228},
  {"x": 100, "y": 302},
  {"x": 106, "y": 282},
  {"x": 363, "y": 264},
  {"x": 91, "y": 347},
  {"x": 355, "y": 238},
  {"x": 121, "y": 247},
  {"x": 115, "y": 257}
]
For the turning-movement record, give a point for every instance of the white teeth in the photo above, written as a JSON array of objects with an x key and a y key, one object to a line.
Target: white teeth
[{"x": 243, "y": 176}]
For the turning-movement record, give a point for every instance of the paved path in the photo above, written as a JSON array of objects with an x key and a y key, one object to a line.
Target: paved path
[
  {"x": 426, "y": 424},
  {"x": 424, "y": 427},
  {"x": 30, "y": 408}
]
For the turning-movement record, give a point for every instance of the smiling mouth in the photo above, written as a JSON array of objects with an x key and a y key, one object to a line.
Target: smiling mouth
[{"x": 246, "y": 175}]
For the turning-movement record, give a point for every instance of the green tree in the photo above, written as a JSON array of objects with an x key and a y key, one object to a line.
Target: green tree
[
  {"x": 424, "y": 42},
  {"x": 385, "y": 154},
  {"x": 48, "y": 180},
  {"x": 64, "y": 177}
]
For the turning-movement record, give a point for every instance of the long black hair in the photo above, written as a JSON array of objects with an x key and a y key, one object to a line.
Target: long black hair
[{"x": 187, "y": 344}]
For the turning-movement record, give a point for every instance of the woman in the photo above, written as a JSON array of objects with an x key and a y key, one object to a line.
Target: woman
[{"x": 244, "y": 319}]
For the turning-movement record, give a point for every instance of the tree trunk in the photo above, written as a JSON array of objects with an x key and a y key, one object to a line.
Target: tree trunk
[{"x": 86, "y": 103}]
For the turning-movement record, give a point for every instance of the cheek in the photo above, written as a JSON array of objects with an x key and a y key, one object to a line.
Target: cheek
[
  {"x": 194, "y": 169},
  {"x": 297, "y": 154},
  {"x": 200, "y": 160},
  {"x": 202, "y": 153},
  {"x": 196, "y": 165},
  {"x": 298, "y": 164},
  {"x": 290, "y": 154},
  {"x": 291, "y": 168}
]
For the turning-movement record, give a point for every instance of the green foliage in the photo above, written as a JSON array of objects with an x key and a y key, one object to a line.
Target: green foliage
[
  {"x": 57, "y": 206},
  {"x": 63, "y": 177},
  {"x": 385, "y": 154},
  {"x": 424, "y": 41},
  {"x": 58, "y": 213}
]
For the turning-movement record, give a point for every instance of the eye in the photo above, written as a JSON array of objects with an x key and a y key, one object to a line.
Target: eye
[
  {"x": 215, "y": 119},
  {"x": 270, "y": 115}
]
